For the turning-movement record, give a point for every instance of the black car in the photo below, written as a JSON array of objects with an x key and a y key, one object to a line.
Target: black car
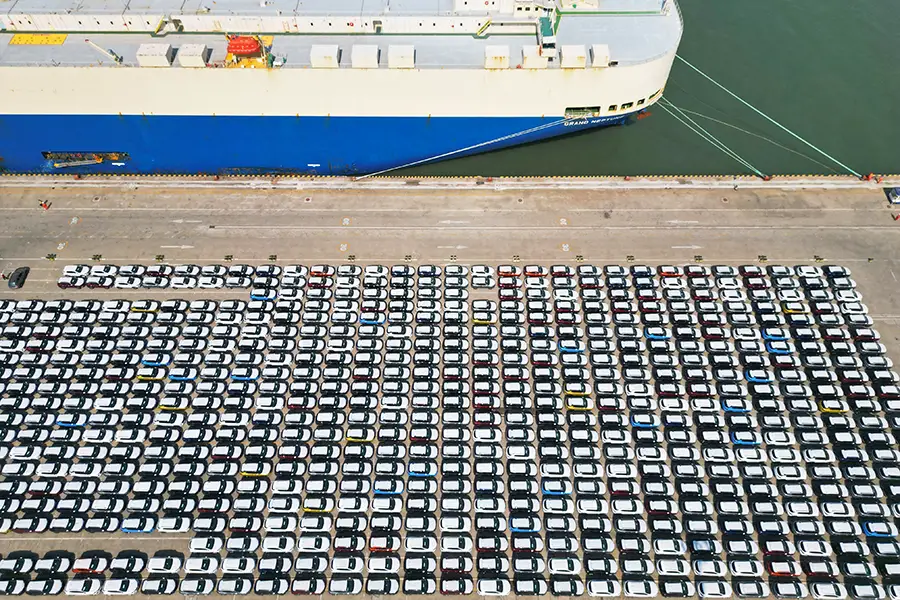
[{"x": 18, "y": 277}]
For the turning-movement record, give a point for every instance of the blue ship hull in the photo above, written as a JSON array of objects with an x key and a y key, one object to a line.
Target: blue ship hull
[{"x": 261, "y": 145}]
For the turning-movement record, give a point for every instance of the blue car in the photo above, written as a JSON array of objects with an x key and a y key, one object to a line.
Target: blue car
[
  {"x": 533, "y": 529},
  {"x": 728, "y": 406},
  {"x": 754, "y": 379},
  {"x": 393, "y": 492},
  {"x": 154, "y": 363},
  {"x": 643, "y": 425},
  {"x": 265, "y": 294},
  {"x": 769, "y": 335},
  {"x": 656, "y": 336},
  {"x": 881, "y": 529},
  {"x": 412, "y": 473},
  {"x": 380, "y": 321},
  {"x": 182, "y": 377},
  {"x": 739, "y": 442},
  {"x": 577, "y": 348},
  {"x": 549, "y": 492},
  {"x": 244, "y": 377},
  {"x": 773, "y": 350}
]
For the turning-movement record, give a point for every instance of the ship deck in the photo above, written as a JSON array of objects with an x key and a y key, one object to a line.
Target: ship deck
[{"x": 631, "y": 37}]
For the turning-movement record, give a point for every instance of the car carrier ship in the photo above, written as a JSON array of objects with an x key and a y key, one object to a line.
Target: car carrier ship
[{"x": 327, "y": 87}]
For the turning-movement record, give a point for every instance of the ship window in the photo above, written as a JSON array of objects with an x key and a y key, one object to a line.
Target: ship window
[
  {"x": 518, "y": 8},
  {"x": 641, "y": 101},
  {"x": 613, "y": 108},
  {"x": 582, "y": 112},
  {"x": 627, "y": 105}
]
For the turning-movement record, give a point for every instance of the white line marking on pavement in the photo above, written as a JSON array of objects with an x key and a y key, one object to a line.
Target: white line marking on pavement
[
  {"x": 686, "y": 247},
  {"x": 682, "y": 222},
  {"x": 414, "y": 228},
  {"x": 453, "y": 247},
  {"x": 178, "y": 247},
  {"x": 186, "y": 221},
  {"x": 453, "y": 222}
]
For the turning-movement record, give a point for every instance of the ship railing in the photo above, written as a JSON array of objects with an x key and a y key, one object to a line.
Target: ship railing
[{"x": 656, "y": 57}]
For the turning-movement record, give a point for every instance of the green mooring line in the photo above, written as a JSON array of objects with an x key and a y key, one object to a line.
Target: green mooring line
[
  {"x": 767, "y": 117},
  {"x": 716, "y": 143}
]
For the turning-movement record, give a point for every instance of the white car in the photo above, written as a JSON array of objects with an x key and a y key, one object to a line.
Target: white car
[
  {"x": 184, "y": 283},
  {"x": 714, "y": 589},
  {"x": 155, "y": 282},
  {"x": 66, "y": 282},
  {"x": 640, "y": 588},
  {"x": 493, "y": 587},
  {"x": 76, "y": 270},
  {"x": 164, "y": 564},
  {"x": 201, "y": 564},
  {"x": 197, "y": 586},
  {"x": 211, "y": 283},
  {"x": 84, "y": 586},
  {"x": 11, "y": 586},
  {"x": 121, "y": 587},
  {"x": 127, "y": 283},
  {"x": 104, "y": 270},
  {"x": 828, "y": 591},
  {"x": 346, "y": 585},
  {"x": 607, "y": 588}
]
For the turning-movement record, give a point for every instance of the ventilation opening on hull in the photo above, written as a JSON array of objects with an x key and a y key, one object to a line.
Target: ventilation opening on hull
[
  {"x": 62, "y": 160},
  {"x": 582, "y": 112}
]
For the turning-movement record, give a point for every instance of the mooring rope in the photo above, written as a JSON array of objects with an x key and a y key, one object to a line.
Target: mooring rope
[
  {"x": 756, "y": 135},
  {"x": 467, "y": 148},
  {"x": 706, "y": 135},
  {"x": 767, "y": 117}
]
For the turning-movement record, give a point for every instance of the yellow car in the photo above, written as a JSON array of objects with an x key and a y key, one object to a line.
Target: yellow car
[
  {"x": 151, "y": 374},
  {"x": 833, "y": 406},
  {"x": 579, "y": 403},
  {"x": 795, "y": 308},
  {"x": 174, "y": 403},
  {"x": 577, "y": 389},
  {"x": 256, "y": 469},
  {"x": 361, "y": 434}
]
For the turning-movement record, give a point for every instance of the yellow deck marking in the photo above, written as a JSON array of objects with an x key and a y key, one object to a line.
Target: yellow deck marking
[{"x": 38, "y": 39}]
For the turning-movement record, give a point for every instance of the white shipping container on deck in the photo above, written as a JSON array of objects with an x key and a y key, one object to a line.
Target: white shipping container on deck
[
  {"x": 496, "y": 57},
  {"x": 193, "y": 55},
  {"x": 155, "y": 55},
  {"x": 325, "y": 56},
  {"x": 573, "y": 56},
  {"x": 401, "y": 57},
  {"x": 364, "y": 56},
  {"x": 599, "y": 55},
  {"x": 532, "y": 59}
]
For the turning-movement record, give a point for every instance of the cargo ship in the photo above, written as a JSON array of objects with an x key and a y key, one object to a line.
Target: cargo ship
[{"x": 334, "y": 87}]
